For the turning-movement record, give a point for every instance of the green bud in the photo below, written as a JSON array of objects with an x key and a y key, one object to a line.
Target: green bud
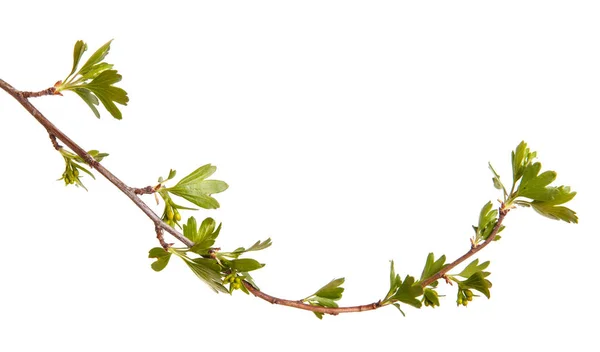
[
  {"x": 177, "y": 215},
  {"x": 170, "y": 213}
]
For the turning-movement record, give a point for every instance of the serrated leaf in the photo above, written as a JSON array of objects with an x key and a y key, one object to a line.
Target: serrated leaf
[
  {"x": 89, "y": 98},
  {"x": 518, "y": 158},
  {"x": 332, "y": 290},
  {"x": 96, "y": 70},
  {"x": 408, "y": 292},
  {"x": 207, "y": 270},
  {"x": 259, "y": 245},
  {"x": 474, "y": 267},
  {"x": 95, "y": 58},
  {"x": 245, "y": 265},
  {"x": 195, "y": 189},
  {"x": 102, "y": 87},
  {"x": 555, "y": 212},
  {"x": 478, "y": 282},
  {"x": 432, "y": 266}
]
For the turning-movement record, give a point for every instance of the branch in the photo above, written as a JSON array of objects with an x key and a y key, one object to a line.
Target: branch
[
  {"x": 474, "y": 249},
  {"x": 132, "y": 193},
  {"x": 55, "y": 133},
  {"x": 301, "y": 305}
]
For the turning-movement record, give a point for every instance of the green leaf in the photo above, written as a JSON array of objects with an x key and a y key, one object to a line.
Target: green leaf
[
  {"x": 326, "y": 296},
  {"x": 94, "y": 82},
  {"x": 245, "y": 265},
  {"x": 89, "y": 98},
  {"x": 555, "y": 212},
  {"x": 195, "y": 189},
  {"x": 207, "y": 270},
  {"x": 496, "y": 180},
  {"x": 408, "y": 292},
  {"x": 78, "y": 50},
  {"x": 96, "y": 57},
  {"x": 473, "y": 268},
  {"x": 478, "y": 282},
  {"x": 432, "y": 266},
  {"x": 518, "y": 158},
  {"x": 259, "y": 245},
  {"x": 332, "y": 290},
  {"x": 102, "y": 87},
  {"x": 533, "y": 186},
  {"x": 162, "y": 258},
  {"x": 400, "y": 309}
]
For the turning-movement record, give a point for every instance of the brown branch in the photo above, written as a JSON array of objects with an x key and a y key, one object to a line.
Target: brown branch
[
  {"x": 302, "y": 305},
  {"x": 49, "y": 91},
  {"x": 161, "y": 226},
  {"x": 474, "y": 249},
  {"x": 58, "y": 134},
  {"x": 145, "y": 190}
]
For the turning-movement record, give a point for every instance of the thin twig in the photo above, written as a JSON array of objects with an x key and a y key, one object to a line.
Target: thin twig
[
  {"x": 49, "y": 91},
  {"x": 474, "y": 249},
  {"x": 133, "y": 193},
  {"x": 53, "y": 130},
  {"x": 302, "y": 305}
]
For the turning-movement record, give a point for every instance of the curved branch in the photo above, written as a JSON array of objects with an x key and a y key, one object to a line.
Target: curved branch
[
  {"x": 132, "y": 193},
  {"x": 58, "y": 134},
  {"x": 301, "y": 305},
  {"x": 474, "y": 249}
]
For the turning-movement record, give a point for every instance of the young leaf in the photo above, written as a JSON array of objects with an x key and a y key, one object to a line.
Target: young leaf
[
  {"x": 326, "y": 296},
  {"x": 78, "y": 50},
  {"x": 473, "y": 268},
  {"x": 196, "y": 189},
  {"x": 245, "y": 265},
  {"x": 95, "y": 58},
  {"x": 332, "y": 290},
  {"x": 94, "y": 82},
  {"x": 555, "y": 212},
  {"x": 408, "y": 292},
  {"x": 432, "y": 267},
  {"x": 207, "y": 270},
  {"x": 162, "y": 258},
  {"x": 478, "y": 282}
]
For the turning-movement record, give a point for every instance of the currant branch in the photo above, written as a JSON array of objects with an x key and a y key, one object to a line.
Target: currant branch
[{"x": 94, "y": 83}]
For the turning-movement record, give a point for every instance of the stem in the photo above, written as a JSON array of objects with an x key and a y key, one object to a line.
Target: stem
[
  {"x": 304, "y": 306},
  {"x": 132, "y": 193},
  {"x": 21, "y": 97},
  {"x": 474, "y": 249}
]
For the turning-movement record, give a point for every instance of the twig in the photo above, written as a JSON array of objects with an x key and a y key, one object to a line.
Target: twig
[
  {"x": 49, "y": 91},
  {"x": 474, "y": 249},
  {"x": 54, "y": 131},
  {"x": 161, "y": 226},
  {"x": 302, "y": 305}
]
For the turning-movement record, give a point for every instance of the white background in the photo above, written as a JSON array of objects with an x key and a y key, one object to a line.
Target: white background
[{"x": 351, "y": 133}]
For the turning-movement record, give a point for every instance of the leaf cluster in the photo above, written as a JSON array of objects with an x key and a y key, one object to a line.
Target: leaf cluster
[
  {"x": 194, "y": 188},
  {"x": 405, "y": 291},
  {"x": 207, "y": 262},
  {"x": 530, "y": 188},
  {"x": 488, "y": 218},
  {"x": 94, "y": 81},
  {"x": 74, "y": 164},
  {"x": 475, "y": 280},
  {"x": 326, "y": 296}
]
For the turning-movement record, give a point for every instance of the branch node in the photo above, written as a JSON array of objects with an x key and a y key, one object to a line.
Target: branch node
[
  {"x": 161, "y": 239},
  {"x": 54, "y": 142}
]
